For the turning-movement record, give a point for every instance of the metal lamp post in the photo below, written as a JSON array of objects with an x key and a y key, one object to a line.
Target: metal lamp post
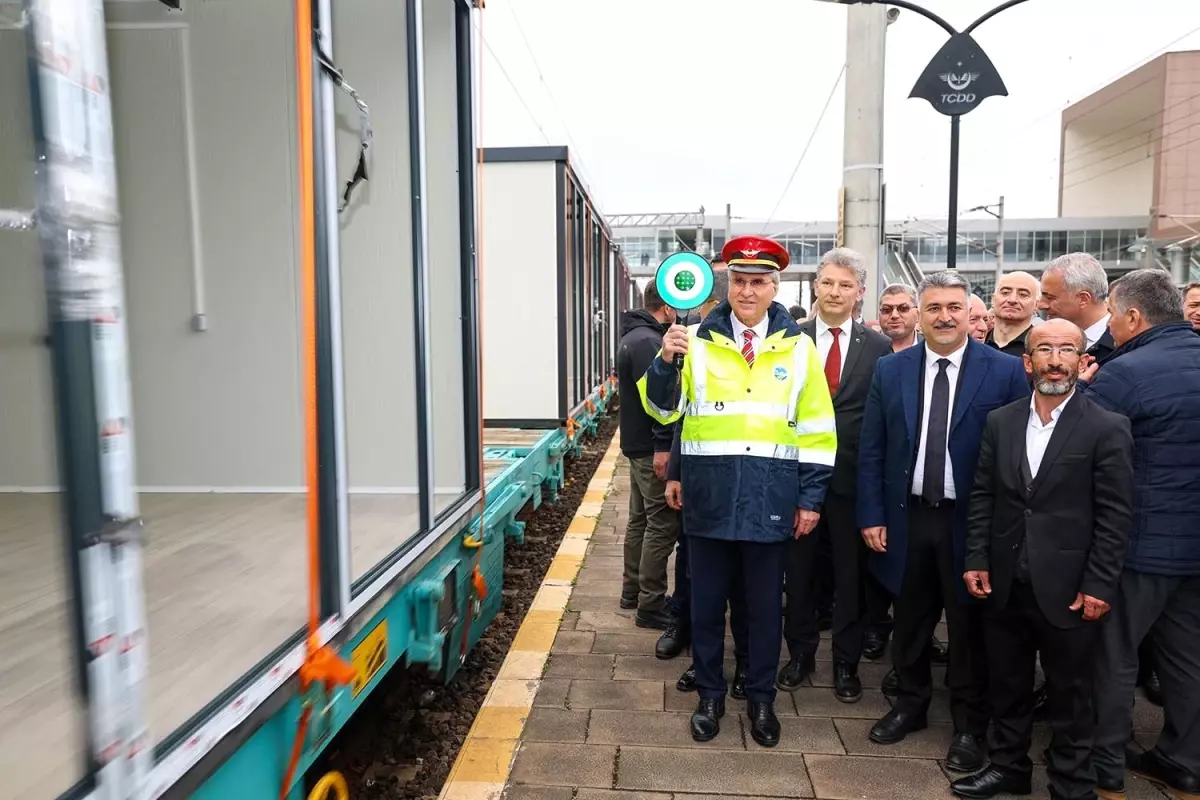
[
  {"x": 958, "y": 78},
  {"x": 999, "y": 215}
]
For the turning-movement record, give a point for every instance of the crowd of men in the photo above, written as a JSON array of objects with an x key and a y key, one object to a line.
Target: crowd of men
[{"x": 1029, "y": 481}]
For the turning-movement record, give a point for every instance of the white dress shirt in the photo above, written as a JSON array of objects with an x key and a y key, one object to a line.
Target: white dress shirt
[
  {"x": 825, "y": 342},
  {"x": 1037, "y": 435},
  {"x": 1094, "y": 332},
  {"x": 760, "y": 333},
  {"x": 931, "y": 371}
]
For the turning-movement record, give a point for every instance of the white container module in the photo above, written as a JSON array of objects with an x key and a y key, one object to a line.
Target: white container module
[{"x": 553, "y": 290}]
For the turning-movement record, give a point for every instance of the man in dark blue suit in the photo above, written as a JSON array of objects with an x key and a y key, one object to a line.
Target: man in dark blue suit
[{"x": 925, "y": 416}]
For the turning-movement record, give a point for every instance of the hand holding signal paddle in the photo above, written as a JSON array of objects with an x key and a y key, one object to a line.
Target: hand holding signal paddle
[{"x": 684, "y": 281}]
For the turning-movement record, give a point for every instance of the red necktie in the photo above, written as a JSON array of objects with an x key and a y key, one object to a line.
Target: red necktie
[
  {"x": 748, "y": 346},
  {"x": 833, "y": 362}
]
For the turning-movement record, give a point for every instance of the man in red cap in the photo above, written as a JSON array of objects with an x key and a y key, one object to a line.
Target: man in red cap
[{"x": 757, "y": 451}]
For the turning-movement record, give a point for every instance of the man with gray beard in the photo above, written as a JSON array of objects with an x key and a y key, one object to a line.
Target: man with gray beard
[{"x": 1048, "y": 527}]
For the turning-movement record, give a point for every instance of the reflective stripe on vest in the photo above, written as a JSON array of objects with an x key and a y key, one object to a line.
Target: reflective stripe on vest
[
  {"x": 745, "y": 407},
  {"x": 698, "y": 350},
  {"x": 666, "y": 412},
  {"x": 782, "y": 452},
  {"x": 799, "y": 374}
]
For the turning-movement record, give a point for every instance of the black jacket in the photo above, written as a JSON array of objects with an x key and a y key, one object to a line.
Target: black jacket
[
  {"x": 641, "y": 339},
  {"x": 1103, "y": 347},
  {"x": 1074, "y": 519},
  {"x": 1014, "y": 348},
  {"x": 850, "y": 400}
]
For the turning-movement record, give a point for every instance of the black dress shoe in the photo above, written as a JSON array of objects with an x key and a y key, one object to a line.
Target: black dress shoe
[
  {"x": 895, "y": 725},
  {"x": 939, "y": 652},
  {"x": 992, "y": 782},
  {"x": 891, "y": 684},
  {"x": 1153, "y": 688},
  {"x": 674, "y": 640},
  {"x": 738, "y": 690},
  {"x": 1110, "y": 789},
  {"x": 1154, "y": 769},
  {"x": 875, "y": 642},
  {"x": 965, "y": 753},
  {"x": 656, "y": 620},
  {"x": 764, "y": 725},
  {"x": 846, "y": 685},
  {"x": 796, "y": 672},
  {"x": 687, "y": 681},
  {"x": 628, "y": 603},
  {"x": 706, "y": 720}
]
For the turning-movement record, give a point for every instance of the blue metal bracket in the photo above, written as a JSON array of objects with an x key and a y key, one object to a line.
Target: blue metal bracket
[{"x": 426, "y": 644}]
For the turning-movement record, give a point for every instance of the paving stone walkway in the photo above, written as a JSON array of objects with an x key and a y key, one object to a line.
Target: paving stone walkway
[{"x": 608, "y": 724}]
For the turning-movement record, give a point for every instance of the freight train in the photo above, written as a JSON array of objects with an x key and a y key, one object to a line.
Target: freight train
[{"x": 283, "y": 353}]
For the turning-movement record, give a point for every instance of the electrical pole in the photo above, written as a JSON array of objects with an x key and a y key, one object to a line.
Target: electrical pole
[
  {"x": 1000, "y": 243},
  {"x": 728, "y": 222},
  {"x": 862, "y": 155}
]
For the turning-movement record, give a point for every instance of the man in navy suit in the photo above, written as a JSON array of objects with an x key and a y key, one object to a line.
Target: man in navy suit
[{"x": 925, "y": 416}]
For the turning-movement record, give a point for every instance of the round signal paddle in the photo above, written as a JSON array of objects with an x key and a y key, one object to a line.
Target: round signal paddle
[{"x": 684, "y": 281}]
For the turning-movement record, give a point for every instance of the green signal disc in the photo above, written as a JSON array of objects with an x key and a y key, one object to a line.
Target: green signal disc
[{"x": 684, "y": 281}]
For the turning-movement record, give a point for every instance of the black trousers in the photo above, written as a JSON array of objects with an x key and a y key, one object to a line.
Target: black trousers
[
  {"x": 930, "y": 586},
  {"x": 879, "y": 604},
  {"x": 1015, "y": 636},
  {"x": 713, "y": 563},
  {"x": 853, "y": 585},
  {"x": 1165, "y": 609},
  {"x": 680, "y": 603},
  {"x": 824, "y": 586}
]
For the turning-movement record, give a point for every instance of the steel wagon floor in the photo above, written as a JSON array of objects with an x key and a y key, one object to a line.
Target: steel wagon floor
[{"x": 225, "y": 578}]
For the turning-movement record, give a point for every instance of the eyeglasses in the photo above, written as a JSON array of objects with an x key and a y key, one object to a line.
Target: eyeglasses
[
  {"x": 753, "y": 283},
  {"x": 1064, "y": 350},
  {"x": 886, "y": 311}
]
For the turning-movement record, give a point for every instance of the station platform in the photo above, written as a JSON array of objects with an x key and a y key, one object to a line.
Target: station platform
[{"x": 582, "y": 710}]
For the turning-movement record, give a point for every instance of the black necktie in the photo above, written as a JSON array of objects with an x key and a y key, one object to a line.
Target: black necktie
[{"x": 933, "y": 489}]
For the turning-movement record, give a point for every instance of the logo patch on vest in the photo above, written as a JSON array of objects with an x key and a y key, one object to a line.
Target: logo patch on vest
[{"x": 781, "y": 374}]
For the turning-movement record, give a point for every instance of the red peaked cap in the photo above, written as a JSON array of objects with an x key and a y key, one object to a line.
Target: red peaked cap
[{"x": 755, "y": 254}]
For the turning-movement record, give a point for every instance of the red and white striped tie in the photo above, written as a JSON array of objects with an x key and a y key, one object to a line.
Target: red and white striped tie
[{"x": 748, "y": 346}]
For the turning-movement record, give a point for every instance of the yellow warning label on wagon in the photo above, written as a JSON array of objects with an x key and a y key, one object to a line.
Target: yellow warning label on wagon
[{"x": 369, "y": 657}]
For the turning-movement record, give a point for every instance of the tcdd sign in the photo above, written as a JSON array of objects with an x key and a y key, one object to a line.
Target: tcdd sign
[{"x": 959, "y": 77}]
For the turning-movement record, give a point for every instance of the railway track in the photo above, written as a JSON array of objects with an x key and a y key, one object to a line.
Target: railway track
[{"x": 403, "y": 746}]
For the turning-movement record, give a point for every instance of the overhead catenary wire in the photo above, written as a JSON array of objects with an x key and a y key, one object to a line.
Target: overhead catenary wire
[
  {"x": 1148, "y": 139},
  {"x": 511, "y": 83},
  {"x": 1008, "y": 135},
  {"x": 1093, "y": 148},
  {"x": 1097, "y": 144},
  {"x": 837, "y": 82},
  {"x": 1116, "y": 75},
  {"x": 1128, "y": 164},
  {"x": 1143, "y": 140},
  {"x": 541, "y": 77}
]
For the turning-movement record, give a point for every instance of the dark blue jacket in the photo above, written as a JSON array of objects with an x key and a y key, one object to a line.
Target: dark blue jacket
[
  {"x": 1154, "y": 380},
  {"x": 738, "y": 497},
  {"x": 891, "y": 437}
]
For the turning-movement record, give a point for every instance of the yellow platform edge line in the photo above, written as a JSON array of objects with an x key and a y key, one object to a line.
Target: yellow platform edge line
[{"x": 485, "y": 759}]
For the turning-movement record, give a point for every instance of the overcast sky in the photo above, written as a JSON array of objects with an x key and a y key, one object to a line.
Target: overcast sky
[{"x": 668, "y": 105}]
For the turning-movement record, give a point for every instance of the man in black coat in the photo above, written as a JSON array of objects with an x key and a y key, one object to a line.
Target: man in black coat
[
  {"x": 653, "y": 526},
  {"x": 1049, "y": 522},
  {"x": 848, "y": 350}
]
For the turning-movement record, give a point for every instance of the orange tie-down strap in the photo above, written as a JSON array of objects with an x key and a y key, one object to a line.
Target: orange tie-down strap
[{"x": 321, "y": 663}]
